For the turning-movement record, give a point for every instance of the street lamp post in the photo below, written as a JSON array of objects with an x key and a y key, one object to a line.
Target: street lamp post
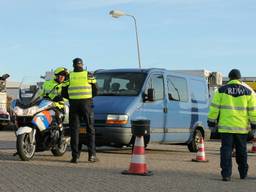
[{"x": 116, "y": 14}]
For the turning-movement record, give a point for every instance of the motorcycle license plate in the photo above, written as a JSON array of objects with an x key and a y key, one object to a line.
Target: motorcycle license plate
[{"x": 82, "y": 130}]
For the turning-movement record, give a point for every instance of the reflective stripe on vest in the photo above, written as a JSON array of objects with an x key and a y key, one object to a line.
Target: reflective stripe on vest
[
  {"x": 227, "y": 129},
  {"x": 233, "y": 107},
  {"x": 79, "y": 87}
]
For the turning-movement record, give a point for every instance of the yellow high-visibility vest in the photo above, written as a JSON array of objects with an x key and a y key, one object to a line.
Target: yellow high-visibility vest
[
  {"x": 233, "y": 107},
  {"x": 80, "y": 85},
  {"x": 51, "y": 89}
]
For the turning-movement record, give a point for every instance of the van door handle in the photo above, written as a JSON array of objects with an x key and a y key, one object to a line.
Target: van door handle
[{"x": 165, "y": 109}]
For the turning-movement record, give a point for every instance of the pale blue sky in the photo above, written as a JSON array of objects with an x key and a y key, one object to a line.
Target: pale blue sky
[{"x": 37, "y": 36}]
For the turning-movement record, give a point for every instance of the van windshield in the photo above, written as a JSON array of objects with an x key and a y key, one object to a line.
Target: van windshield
[{"x": 119, "y": 83}]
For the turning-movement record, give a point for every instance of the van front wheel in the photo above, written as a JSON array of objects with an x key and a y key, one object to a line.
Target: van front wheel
[{"x": 193, "y": 144}]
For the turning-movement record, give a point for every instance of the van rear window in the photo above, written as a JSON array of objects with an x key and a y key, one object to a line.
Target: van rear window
[
  {"x": 119, "y": 83},
  {"x": 199, "y": 91}
]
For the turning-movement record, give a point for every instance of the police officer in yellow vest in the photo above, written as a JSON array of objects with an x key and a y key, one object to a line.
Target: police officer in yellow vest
[
  {"x": 233, "y": 110},
  {"x": 80, "y": 100},
  {"x": 52, "y": 90}
]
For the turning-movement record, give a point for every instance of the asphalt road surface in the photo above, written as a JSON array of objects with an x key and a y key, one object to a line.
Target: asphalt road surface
[{"x": 171, "y": 165}]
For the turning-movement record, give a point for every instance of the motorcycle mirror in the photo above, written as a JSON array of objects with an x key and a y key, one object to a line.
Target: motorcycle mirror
[{"x": 4, "y": 77}]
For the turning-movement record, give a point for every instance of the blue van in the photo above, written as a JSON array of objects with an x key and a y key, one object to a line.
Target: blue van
[{"x": 176, "y": 105}]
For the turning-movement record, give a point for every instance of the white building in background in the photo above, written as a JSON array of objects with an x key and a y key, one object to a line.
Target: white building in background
[{"x": 12, "y": 89}]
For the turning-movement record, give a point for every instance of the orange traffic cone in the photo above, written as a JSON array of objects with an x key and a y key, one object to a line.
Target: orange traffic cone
[
  {"x": 137, "y": 164},
  {"x": 253, "y": 150},
  {"x": 200, "y": 155}
]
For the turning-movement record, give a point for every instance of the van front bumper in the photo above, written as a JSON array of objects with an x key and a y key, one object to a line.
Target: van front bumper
[{"x": 112, "y": 135}]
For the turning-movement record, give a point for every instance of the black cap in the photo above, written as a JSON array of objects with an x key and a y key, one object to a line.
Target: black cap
[
  {"x": 77, "y": 62},
  {"x": 234, "y": 74}
]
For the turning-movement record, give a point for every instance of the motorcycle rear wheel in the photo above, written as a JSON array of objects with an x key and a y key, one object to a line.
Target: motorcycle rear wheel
[
  {"x": 60, "y": 149},
  {"x": 25, "y": 148}
]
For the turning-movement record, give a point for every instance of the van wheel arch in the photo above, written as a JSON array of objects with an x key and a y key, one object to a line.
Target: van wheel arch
[{"x": 193, "y": 143}]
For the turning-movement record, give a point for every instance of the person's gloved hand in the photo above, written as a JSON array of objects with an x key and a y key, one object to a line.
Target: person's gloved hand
[
  {"x": 58, "y": 98},
  {"x": 213, "y": 129},
  {"x": 253, "y": 126},
  {"x": 212, "y": 126},
  {"x": 254, "y": 134}
]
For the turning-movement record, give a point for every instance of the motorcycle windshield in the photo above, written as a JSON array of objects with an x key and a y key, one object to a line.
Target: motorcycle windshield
[{"x": 29, "y": 91}]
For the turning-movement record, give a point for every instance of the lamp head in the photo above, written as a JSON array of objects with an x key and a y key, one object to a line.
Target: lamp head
[{"x": 116, "y": 13}]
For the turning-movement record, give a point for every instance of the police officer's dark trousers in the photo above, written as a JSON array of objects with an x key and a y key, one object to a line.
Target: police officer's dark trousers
[
  {"x": 81, "y": 109},
  {"x": 227, "y": 142}
]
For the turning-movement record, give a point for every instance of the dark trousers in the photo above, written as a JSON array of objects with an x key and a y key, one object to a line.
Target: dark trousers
[
  {"x": 228, "y": 141},
  {"x": 81, "y": 109}
]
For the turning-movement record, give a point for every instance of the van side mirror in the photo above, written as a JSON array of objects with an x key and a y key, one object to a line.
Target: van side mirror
[{"x": 150, "y": 95}]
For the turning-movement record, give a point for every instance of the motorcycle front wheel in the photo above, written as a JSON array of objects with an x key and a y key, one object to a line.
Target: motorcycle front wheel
[{"x": 25, "y": 148}]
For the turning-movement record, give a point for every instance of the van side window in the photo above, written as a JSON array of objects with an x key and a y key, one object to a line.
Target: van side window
[
  {"x": 177, "y": 88},
  {"x": 196, "y": 95},
  {"x": 156, "y": 82}
]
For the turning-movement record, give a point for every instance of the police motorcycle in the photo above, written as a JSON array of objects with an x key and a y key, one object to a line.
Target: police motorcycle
[{"x": 37, "y": 127}]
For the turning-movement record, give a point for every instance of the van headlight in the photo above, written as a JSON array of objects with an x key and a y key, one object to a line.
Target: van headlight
[{"x": 117, "y": 119}]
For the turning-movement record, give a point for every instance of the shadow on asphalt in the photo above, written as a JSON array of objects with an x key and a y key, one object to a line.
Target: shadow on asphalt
[{"x": 4, "y": 156}]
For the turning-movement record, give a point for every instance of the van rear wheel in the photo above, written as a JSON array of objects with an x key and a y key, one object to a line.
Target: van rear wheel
[{"x": 193, "y": 144}]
